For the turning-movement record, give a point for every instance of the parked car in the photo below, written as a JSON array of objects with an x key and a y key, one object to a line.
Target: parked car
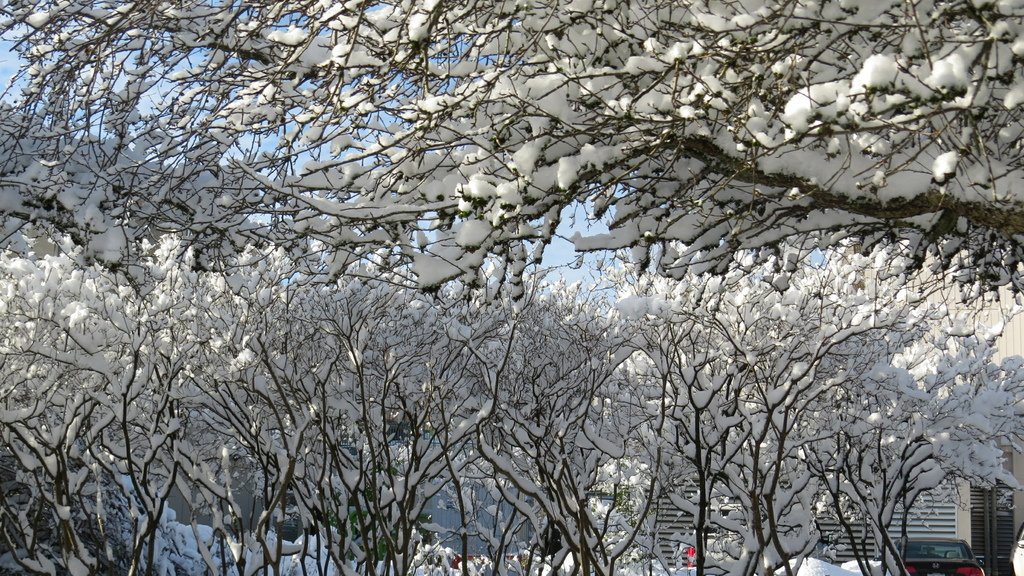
[
  {"x": 939, "y": 557},
  {"x": 1017, "y": 555}
]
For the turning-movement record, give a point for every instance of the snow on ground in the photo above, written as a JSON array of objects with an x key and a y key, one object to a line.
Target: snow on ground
[
  {"x": 181, "y": 549},
  {"x": 852, "y": 566},
  {"x": 814, "y": 567}
]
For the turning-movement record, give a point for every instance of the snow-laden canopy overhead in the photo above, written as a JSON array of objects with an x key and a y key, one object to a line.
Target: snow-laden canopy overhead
[{"x": 440, "y": 132}]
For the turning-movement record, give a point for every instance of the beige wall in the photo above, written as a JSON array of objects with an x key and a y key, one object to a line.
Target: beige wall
[{"x": 1010, "y": 343}]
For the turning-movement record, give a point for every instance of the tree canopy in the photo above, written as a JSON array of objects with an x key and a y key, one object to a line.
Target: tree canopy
[
  {"x": 445, "y": 133},
  {"x": 182, "y": 428}
]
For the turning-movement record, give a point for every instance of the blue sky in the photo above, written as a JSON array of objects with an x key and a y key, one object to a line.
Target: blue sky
[
  {"x": 560, "y": 253},
  {"x": 8, "y": 63}
]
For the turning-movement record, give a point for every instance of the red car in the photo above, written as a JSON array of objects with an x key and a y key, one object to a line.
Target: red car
[{"x": 939, "y": 557}]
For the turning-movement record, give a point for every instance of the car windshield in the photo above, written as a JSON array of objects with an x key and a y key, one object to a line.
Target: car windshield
[{"x": 937, "y": 549}]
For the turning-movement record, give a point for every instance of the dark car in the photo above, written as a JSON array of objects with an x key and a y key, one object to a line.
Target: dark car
[{"x": 939, "y": 557}]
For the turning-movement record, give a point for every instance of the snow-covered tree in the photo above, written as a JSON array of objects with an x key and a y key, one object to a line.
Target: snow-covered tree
[
  {"x": 930, "y": 406},
  {"x": 347, "y": 409},
  {"x": 820, "y": 387},
  {"x": 123, "y": 390},
  {"x": 345, "y": 405},
  {"x": 90, "y": 427},
  {"x": 557, "y": 434},
  {"x": 439, "y": 132}
]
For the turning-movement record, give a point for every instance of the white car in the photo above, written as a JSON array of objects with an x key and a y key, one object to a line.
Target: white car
[{"x": 1017, "y": 554}]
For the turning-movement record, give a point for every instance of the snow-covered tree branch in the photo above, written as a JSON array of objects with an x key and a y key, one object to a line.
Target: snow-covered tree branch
[{"x": 442, "y": 133}]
